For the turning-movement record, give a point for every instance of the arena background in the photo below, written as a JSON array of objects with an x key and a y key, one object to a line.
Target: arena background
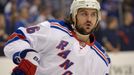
[{"x": 116, "y": 31}]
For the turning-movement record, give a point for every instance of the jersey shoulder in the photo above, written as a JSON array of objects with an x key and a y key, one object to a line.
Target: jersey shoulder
[
  {"x": 61, "y": 22},
  {"x": 61, "y": 25},
  {"x": 101, "y": 52},
  {"x": 26, "y": 33}
]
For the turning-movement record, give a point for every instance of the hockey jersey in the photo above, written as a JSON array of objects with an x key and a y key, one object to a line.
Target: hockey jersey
[{"x": 59, "y": 50}]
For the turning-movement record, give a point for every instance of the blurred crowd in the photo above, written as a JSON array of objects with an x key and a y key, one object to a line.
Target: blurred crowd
[{"x": 116, "y": 31}]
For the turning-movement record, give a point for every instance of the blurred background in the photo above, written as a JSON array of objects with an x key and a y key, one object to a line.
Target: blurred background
[{"x": 116, "y": 31}]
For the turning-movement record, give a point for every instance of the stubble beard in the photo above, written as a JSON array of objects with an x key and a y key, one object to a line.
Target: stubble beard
[{"x": 82, "y": 30}]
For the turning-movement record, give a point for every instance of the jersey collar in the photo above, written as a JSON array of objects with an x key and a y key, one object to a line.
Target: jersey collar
[{"x": 91, "y": 37}]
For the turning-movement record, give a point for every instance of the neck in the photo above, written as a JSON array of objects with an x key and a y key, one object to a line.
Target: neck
[{"x": 83, "y": 38}]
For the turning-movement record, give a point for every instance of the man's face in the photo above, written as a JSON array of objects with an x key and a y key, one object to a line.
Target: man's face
[{"x": 86, "y": 20}]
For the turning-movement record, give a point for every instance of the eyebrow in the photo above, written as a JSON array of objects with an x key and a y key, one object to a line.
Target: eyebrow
[{"x": 81, "y": 10}]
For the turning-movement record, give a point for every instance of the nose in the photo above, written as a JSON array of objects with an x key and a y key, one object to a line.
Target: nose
[{"x": 89, "y": 18}]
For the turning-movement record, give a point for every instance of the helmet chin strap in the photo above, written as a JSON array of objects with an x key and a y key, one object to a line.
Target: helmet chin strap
[{"x": 82, "y": 37}]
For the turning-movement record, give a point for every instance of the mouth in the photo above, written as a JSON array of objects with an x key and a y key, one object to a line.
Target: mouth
[{"x": 88, "y": 26}]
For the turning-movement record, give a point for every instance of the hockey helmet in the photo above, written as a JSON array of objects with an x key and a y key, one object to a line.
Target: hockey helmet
[{"x": 93, "y": 4}]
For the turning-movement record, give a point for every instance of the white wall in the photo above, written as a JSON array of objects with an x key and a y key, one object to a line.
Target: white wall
[
  {"x": 6, "y": 66},
  {"x": 122, "y": 63}
]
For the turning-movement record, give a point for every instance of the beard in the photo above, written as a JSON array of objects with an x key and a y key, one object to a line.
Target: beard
[{"x": 82, "y": 31}]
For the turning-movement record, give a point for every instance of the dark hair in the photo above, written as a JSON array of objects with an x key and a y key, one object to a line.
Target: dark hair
[{"x": 68, "y": 20}]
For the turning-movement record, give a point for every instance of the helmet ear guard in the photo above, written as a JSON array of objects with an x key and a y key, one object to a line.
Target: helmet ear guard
[{"x": 99, "y": 16}]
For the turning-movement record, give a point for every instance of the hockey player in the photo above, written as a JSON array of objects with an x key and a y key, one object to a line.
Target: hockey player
[{"x": 59, "y": 48}]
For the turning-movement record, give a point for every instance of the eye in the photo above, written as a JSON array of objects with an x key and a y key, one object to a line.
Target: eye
[
  {"x": 94, "y": 14},
  {"x": 83, "y": 14}
]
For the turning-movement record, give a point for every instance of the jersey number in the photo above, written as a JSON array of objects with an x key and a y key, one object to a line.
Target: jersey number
[{"x": 32, "y": 29}]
